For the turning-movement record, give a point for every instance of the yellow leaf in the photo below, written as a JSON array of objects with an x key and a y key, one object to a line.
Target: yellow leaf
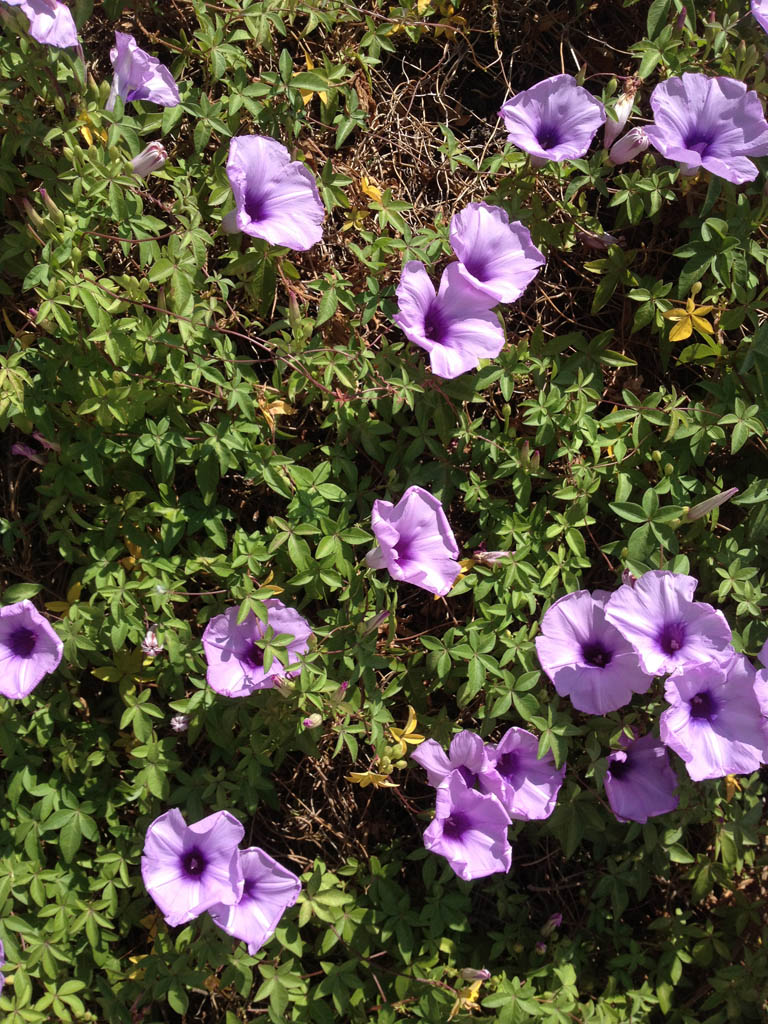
[
  {"x": 701, "y": 324},
  {"x": 73, "y": 594},
  {"x": 681, "y": 330},
  {"x": 87, "y": 134},
  {"x": 675, "y": 314},
  {"x": 731, "y": 785},
  {"x": 307, "y": 94}
]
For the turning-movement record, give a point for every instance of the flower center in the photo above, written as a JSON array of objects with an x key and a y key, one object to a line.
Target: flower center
[
  {"x": 508, "y": 764},
  {"x": 548, "y": 136},
  {"x": 455, "y": 825},
  {"x": 250, "y": 889},
  {"x": 434, "y": 326},
  {"x": 403, "y": 549},
  {"x": 477, "y": 268},
  {"x": 253, "y": 656},
  {"x": 672, "y": 637},
  {"x": 469, "y": 777},
  {"x": 254, "y": 206},
  {"x": 22, "y": 642},
  {"x": 698, "y": 142},
  {"x": 619, "y": 767},
  {"x": 595, "y": 654},
  {"x": 703, "y": 706},
  {"x": 193, "y": 863}
]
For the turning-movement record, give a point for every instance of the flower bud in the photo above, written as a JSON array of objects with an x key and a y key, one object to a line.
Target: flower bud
[
  {"x": 471, "y": 974},
  {"x": 33, "y": 216},
  {"x": 598, "y": 242},
  {"x": 552, "y": 923},
  {"x": 56, "y": 214},
  {"x": 490, "y": 558},
  {"x": 372, "y": 625},
  {"x": 149, "y": 160},
  {"x": 622, "y": 109},
  {"x": 629, "y": 146},
  {"x": 312, "y": 721},
  {"x": 700, "y": 510},
  {"x": 180, "y": 723}
]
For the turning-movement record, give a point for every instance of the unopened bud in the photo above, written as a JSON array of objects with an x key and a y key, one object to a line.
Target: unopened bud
[
  {"x": 632, "y": 144},
  {"x": 680, "y": 22},
  {"x": 471, "y": 974},
  {"x": 622, "y": 109},
  {"x": 149, "y": 160},
  {"x": 552, "y": 923},
  {"x": 53, "y": 209},
  {"x": 283, "y": 685},
  {"x": 598, "y": 242},
  {"x": 33, "y": 216},
  {"x": 490, "y": 558},
  {"x": 373, "y": 624},
  {"x": 628, "y": 579},
  {"x": 703, "y": 507},
  {"x": 312, "y": 721}
]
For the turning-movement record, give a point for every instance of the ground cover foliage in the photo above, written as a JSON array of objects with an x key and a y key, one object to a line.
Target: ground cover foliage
[{"x": 225, "y": 414}]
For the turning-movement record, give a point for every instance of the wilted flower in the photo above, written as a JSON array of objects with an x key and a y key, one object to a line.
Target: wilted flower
[
  {"x": 190, "y": 868},
  {"x": 235, "y": 653},
  {"x": 552, "y": 923},
  {"x": 268, "y": 890},
  {"x": 456, "y": 325},
  {"x": 277, "y": 198},
  {"x": 50, "y": 446},
  {"x": 530, "y": 783},
  {"x": 714, "y": 721},
  {"x": 467, "y": 755},
  {"x": 622, "y": 109},
  {"x": 180, "y": 723},
  {"x": 554, "y": 120},
  {"x": 29, "y": 649},
  {"x": 629, "y": 146},
  {"x": 713, "y": 123},
  {"x": 50, "y": 21},
  {"x": 138, "y": 76},
  {"x": 27, "y": 452},
  {"x": 490, "y": 558},
  {"x": 496, "y": 256},
  {"x": 640, "y": 782},
  {"x": 415, "y": 541},
  {"x": 469, "y": 830},
  {"x": 706, "y": 506},
  {"x": 150, "y": 645},
  {"x": 586, "y": 657},
  {"x": 150, "y": 159},
  {"x": 760, "y": 13},
  {"x": 668, "y": 629}
]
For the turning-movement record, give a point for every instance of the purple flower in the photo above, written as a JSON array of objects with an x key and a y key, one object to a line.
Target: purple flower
[
  {"x": 268, "y": 890},
  {"x": 190, "y": 868},
  {"x": 50, "y": 22},
  {"x": 760, "y": 13},
  {"x": 415, "y": 541},
  {"x": 138, "y": 76},
  {"x": 668, "y": 629},
  {"x": 640, "y": 782},
  {"x": 152, "y": 158},
  {"x": 629, "y": 146},
  {"x": 29, "y": 649},
  {"x": 469, "y": 830},
  {"x": 496, "y": 256},
  {"x": 586, "y": 657},
  {"x": 27, "y": 452},
  {"x": 713, "y": 123},
  {"x": 456, "y": 325},
  {"x": 530, "y": 784},
  {"x": 276, "y": 197},
  {"x": 555, "y": 120},
  {"x": 180, "y": 723},
  {"x": 714, "y": 721},
  {"x": 150, "y": 645},
  {"x": 235, "y": 653},
  {"x": 467, "y": 755}
]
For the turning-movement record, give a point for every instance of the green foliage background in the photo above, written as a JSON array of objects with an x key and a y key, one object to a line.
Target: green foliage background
[{"x": 226, "y": 416}]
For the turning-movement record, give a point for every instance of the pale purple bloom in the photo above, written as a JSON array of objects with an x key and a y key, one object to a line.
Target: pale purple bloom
[
  {"x": 190, "y": 868},
  {"x": 152, "y": 158},
  {"x": 530, "y": 783},
  {"x": 415, "y": 541},
  {"x": 763, "y": 655},
  {"x": 554, "y": 120},
  {"x": 456, "y": 325},
  {"x": 469, "y": 830},
  {"x": 622, "y": 109},
  {"x": 668, "y": 629},
  {"x": 496, "y": 256},
  {"x": 640, "y": 782},
  {"x": 586, "y": 657},
  {"x": 760, "y": 13},
  {"x": 467, "y": 755},
  {"x": 50, "y": 22},
  {"x": 268, "y": 890},
  {"x": 235, "y": 653},
  {"x": 180, "y": 723},
  {"x": 150, "y": 645},
  {"x": 139, "y": 76},
  {"x": 629, "y": 146},
  {"x": 713, "y": 123},
  {"x": 277, "y": 198},
  {"x": 29, "y": 649},
  {"x": 714, "y": 721}
]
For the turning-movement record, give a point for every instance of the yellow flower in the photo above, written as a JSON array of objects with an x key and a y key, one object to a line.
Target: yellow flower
[
  {"x": 369, "y": 778},
  {"x": 689, "y": 319},
  {"x": 407, "y": 735}
]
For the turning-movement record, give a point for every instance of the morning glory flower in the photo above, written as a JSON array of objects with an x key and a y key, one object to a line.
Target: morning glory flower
[
  {"x": 268, "y": 890},
  {"x": 50, "y": 22},
  {"x": 469, "y": 830},
  {"x": 235, "y": 653},
  {"x": 715, "y": 123},
  {"x": 415, "y": 541},
  {"x": 586, "y": 657},
  {"x": 139, "y": 76},
  {"x": 554, "y": 120},
  {"x": 640, "y": 782},
  {"x": 530, "y": 783},
  {"x": 668, "y": 629},
  {"x": 467, "y": 754},
  {"x": 456, "y": 325},
  {"x": 496, "y": 256},
  {"x": 277, "y": 198},
  {"x": 714, "y": 721},
  {"x": 760, "y": 13},
  {"x": 29, "y": 649},
  {"x": 190, "y": 868}
]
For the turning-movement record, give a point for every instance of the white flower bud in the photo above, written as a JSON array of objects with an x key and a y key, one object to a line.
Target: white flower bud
[
  {"x": 149, "y": 160},
  {"x": 629, "y": 146},
  {"x": 622, "y": 109}
]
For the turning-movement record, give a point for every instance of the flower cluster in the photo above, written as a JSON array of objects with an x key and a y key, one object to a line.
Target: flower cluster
[
  {"x": 190, "y": 869},
  {"x": 481, "y": 787}
]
